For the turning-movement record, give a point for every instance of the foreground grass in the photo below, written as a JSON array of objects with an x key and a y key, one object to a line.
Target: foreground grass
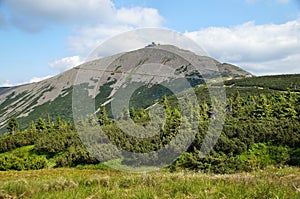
[{"x": 75, "y": 183}]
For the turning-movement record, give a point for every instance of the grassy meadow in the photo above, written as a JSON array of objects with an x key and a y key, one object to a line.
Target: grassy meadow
[{"x": 92, "y": 183}]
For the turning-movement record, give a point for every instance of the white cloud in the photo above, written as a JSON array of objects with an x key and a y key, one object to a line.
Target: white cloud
[
  {"x": 62, "y": 10},
  {"x": 287, "y": 65},
  {"x": 65, "y": 63},
  {"x": 270, "y": 48},
  {"x": 33, "y": 15},
  {"x": 92, "y": 22},
  {"x": 6, "y": 83},
  {"x": 88, "y": 38},
  {"x": 139, "y": 38},
  {"x": 138, "y": 16},
  {"x": 38, "y": 79},
  {"x": 95, "y": 20}
]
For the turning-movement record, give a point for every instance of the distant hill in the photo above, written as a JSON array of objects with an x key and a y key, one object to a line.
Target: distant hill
[
  {"x": 275, "y": 82},
  {"x": 53, "y": 96},
  {"x": 3, "y": 89}
]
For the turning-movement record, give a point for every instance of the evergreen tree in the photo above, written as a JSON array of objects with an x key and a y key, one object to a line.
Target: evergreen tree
[
  {"x": 166, "y": 105},
  {"x": 103, "y": 117},
  {"x": 204, "y": 109},
  {"x": 12, "y": 125},
  {"x": 133, "y": 114},
  {"x": 58, "y": 122},
  {"x": 237, "y": 108},
  {"x": 284, "y": 106},
  {"x": 41, "y": 126},
  {"x": 249, "y": 106},
  {"x": 49, "y": 124},
  {"x": 32, "y": 126},
  {"x": 262, "y": 108}
]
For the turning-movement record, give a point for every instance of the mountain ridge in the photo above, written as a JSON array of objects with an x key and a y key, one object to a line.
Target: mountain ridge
[{"x": 23, "y": 100}]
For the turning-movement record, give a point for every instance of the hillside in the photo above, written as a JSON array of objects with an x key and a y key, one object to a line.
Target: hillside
[
  {"x": 54, "y": 96},
  {"x": 261, "y": 129},
  {"x": 3, "y": 90},
  {"x": 274, "y": 82}
]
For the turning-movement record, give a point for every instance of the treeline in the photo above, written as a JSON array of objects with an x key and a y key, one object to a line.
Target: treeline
[
  {"x": 259, "y": 130},
  {"x": 275, "y": 82}
]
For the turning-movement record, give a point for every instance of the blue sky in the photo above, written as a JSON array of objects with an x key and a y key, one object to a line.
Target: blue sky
[{"x": 40, "y": 39}]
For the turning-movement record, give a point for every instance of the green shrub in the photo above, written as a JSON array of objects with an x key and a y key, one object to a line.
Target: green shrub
[
  {"x": 262, "y": 155},
  {"x": 295, "y": 157},
  {"x": 12, "y": 162}
]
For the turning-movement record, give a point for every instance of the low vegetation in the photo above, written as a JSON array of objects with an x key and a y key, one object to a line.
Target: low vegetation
[
  {"x": 75, "y": 183},
  {"x": 259, "y": 131},
  {"x": 257, "y": 154},
  {"x": 275, "y": 82}
]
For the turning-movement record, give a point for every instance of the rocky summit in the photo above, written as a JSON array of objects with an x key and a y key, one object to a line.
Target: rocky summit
[{"x": 149, "y": 66}]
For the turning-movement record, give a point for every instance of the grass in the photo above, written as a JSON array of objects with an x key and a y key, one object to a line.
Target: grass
[
  {"x": 75, "y": 183},
  {"x": 22, "y": 151}
]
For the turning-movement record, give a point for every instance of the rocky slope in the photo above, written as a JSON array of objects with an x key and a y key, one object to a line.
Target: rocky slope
[{"x": 103, "y": 77}]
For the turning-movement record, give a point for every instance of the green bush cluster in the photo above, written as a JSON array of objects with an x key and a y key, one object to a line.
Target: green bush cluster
[
  {"x": 259, "y": 131},
  {"x": 13, "y": 162},
  {"x": 24, "y": 138}
]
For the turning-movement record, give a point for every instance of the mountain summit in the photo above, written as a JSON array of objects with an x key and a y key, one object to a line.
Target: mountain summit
[{"x": 151, "y": 65}]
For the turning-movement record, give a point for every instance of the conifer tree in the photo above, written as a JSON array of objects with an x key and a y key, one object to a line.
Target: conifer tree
[
  {"x": 103, "y": 117},
  {"x": 32, "y": 126},
  {"x": 12, "y": 125},
  {"x": 166, "y": 105},
  {"x": 262, "y": 108},
  {"x": 40, "y": 124}
]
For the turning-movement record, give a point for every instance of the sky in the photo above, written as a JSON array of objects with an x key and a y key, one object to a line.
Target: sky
[{"x": 40, "y": 39}]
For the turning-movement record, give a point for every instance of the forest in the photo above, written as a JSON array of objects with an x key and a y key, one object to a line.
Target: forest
[{"x": 261, "y": 129}]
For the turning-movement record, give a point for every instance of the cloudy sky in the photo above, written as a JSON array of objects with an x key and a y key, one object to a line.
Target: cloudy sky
[{"x": 41, "y": 38}]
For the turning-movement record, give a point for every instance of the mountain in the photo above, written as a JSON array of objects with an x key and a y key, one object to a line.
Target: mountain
[
  {"x": 3, "y": 89},
  {"x": 147, "y": 68}
]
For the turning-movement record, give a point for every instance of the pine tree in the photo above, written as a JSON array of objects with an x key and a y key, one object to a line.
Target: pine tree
[
  {"x": 40, "y": 124},
  {"x": 284, "y": 105},
  {"x": 49, "y": 124},
  {"x": 132, "y": 113},
  {"x": 262, "y": 108},
  {"x": 12, "y": 125},
  {"x": 166, "y": 105},
  {"x": 103, "y": 117},
  {"x": 204, "y": 109},
  {"x": 237, "y": 108},
  {"x": 58, "y": 123},
  {"x": 32, "y": 126}
]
